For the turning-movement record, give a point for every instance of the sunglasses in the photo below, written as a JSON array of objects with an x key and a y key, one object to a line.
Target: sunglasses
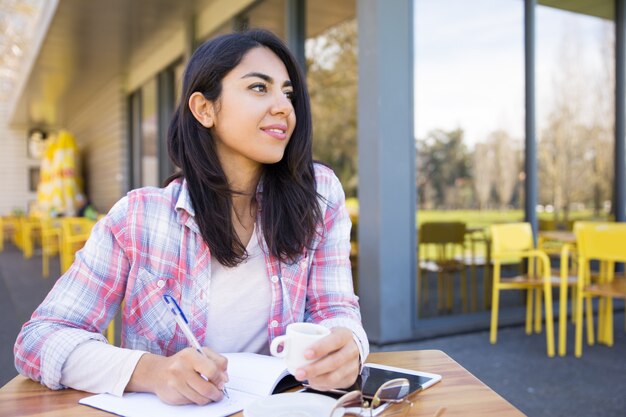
[{"x": 390, "y": 396}]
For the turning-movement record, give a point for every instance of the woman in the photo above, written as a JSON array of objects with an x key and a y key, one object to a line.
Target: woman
[{"x": 249, "y": 236}]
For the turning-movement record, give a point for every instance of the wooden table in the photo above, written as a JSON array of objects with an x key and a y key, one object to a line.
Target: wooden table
[
  {"x": 563, "y": 236},
  {"x": 461, "y": 393}
]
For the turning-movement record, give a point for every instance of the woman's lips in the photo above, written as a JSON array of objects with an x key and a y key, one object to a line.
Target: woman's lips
[{"x": 276, "y": 131}]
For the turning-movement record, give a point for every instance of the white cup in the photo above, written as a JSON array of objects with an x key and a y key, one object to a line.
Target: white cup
[{"x": 298, "y": 338}]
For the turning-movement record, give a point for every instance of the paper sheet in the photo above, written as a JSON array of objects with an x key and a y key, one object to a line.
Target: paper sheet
[{"x": 149, "y": 405}]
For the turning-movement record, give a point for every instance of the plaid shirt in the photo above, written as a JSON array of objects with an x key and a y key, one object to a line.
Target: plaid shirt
[{"x": 150, "y": 245}]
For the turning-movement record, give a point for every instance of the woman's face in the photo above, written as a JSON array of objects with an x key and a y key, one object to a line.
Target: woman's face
[{"x": 254, "y": 117}]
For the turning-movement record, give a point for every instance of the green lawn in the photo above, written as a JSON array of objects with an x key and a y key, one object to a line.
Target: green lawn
[{"x": 483, "y": 218}]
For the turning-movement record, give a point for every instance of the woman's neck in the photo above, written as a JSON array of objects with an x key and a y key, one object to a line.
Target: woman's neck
[{"x": 243, "y": 180}]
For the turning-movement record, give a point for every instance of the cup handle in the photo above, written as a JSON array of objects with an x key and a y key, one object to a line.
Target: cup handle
[{"x": 274, "y": 346}]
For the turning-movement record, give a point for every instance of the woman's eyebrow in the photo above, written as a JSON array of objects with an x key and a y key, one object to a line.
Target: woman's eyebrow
[{"x": 266, "y": 78}]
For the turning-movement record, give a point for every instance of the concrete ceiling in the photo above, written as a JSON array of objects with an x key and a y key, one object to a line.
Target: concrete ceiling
[{"x": 89, "y": 43}]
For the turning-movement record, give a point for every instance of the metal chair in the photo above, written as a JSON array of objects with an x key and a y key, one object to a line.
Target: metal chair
[
  {"x": 515, "y": 240},
  {"x": 441, "y": 250},
  {"x": 50, "y": 242},
  {"x": 603, "y": 242}
]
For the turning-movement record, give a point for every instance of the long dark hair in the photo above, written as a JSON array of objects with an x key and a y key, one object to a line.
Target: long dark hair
[{"x": 290, "y": 210}]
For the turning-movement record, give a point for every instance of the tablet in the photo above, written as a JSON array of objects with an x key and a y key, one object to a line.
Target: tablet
[{"x": 374, "y": 375}]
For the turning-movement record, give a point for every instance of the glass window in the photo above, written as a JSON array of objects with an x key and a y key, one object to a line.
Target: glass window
[
  {"x": 149, "y": 156},
  {"x": 575, "y": 115},
  {"x": 469, "y": 130}
]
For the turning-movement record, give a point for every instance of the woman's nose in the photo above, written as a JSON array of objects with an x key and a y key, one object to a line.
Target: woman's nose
[{"x": 282, "y": 105}]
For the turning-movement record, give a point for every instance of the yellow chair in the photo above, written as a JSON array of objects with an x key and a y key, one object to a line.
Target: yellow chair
[
  {"x": 515, "y": 240},
  {"x": 74, "y": 233},
  {"x": 28, "y": 231},
  {"x": 474, "y": 238},
  {"x": 1, "y": 234},
  {"x": 603, "y": 242},
  {"x": 441, "y": 249},
  {"x": 50, "y": 242}
]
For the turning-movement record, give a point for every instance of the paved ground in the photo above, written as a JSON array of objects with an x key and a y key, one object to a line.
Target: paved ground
[{"x": 516, "y": 367}]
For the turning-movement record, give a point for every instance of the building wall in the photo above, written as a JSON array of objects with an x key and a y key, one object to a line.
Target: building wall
[
  {"x": 14, "y": 167},
  {"x": 100, "y": 128}
]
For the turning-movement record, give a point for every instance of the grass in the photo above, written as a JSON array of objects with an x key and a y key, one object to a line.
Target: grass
[{"x": 481, "y": 219}]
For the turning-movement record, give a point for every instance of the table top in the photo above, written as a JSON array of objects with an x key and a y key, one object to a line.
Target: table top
[
  {"x": 460, "y": 392},
  {"x": 565, "y": 236}
]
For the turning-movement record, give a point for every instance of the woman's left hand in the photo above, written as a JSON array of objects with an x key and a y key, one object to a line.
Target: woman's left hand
[{"x": 337, "y": 361}]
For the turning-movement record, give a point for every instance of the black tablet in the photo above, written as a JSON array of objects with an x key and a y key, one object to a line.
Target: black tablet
[{"x": 374, "y": 375}]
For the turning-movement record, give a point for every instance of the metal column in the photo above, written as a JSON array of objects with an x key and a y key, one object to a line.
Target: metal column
[
  {"x": 530, "y": 165},
  {"x": 296, "y": 29},
  {"x": 387, "y": 192},
  {"x": 619, "y": 192}
]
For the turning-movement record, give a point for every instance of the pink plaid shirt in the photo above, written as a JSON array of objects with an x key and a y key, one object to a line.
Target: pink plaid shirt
[{"x": 149, "y": 245}]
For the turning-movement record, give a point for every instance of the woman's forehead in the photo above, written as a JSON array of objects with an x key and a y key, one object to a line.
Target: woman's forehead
[{"x": 264, "y": 61}]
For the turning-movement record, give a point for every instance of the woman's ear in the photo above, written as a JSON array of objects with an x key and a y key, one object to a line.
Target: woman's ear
[{"x": 202, "y": 109}]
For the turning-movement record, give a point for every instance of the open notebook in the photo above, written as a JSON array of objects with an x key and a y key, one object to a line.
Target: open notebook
[{"x": 251, "y": 376}]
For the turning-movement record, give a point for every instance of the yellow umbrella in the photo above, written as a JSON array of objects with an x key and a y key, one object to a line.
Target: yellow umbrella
[
  {"x": 66, "y": 194},
  {"x": 44, "y": 188}
]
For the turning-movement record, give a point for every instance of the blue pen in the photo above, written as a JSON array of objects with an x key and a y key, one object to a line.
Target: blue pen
[{"x": 183, "y": 323}]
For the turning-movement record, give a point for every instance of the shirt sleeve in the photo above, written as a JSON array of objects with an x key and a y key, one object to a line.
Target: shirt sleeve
[
  {"x": 330, "y": 295},
  {"x": 99, "y": 368},
  {"x": 80, "y": 305}
]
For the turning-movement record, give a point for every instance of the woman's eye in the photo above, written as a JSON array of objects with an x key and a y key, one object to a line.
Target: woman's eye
[
  {"x": 289, "y": 95},
  {"x": 259, "y": 88}
]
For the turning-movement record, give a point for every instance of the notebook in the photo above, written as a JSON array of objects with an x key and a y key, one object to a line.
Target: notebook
[{"x": 251, "y": 376}]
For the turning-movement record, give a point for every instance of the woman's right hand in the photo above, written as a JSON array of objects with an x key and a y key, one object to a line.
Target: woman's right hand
[{"x": 178, "y": 379}]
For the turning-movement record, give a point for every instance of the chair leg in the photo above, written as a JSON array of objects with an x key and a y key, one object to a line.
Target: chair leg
[
  {"x": 562, "y": 319},
  {"x": 589, "y": 309},
  {"x": 608, "y": 325},
  {"x": 111, "y": 332},
  {"x": 538, "y": 310},
  {"x": 574, "y": 304},
  {"x": 601, "y": 322},
  {"x": 464, "y": 300},
  {"x": 547, "y": 289},
  {"x": 474, "y": 289},
  {"x": 529, "y": 311},
  {"x": 440, "y": 298},
  {"x": 578, "y": 344},
  {"x": 493, "y": 335},
  {"x": 449, "y": 283}
]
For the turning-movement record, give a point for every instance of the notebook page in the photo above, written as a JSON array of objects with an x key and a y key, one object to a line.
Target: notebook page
[
  {"x": 149, "y": 405},
  {"x": 254, "y": 373}
]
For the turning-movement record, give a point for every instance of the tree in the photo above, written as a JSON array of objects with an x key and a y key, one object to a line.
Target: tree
[
  {"x": 505, "y": 166},
  {"x": 575, "y": 146},
  {"x": 443, "y": 167},
  {"x": 483, "y": 173},
  {"x": 332, "y": 79}
]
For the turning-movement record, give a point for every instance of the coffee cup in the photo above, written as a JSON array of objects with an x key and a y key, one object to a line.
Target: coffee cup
[{"x": 297, "y": 339}]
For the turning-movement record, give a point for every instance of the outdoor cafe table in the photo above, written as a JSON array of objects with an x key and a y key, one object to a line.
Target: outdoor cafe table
[{"x": 460, "y": 392}]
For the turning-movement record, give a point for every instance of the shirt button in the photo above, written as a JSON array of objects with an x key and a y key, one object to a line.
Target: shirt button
[
  {"x": 274, "y": 279},
  {"x": 161, "y": 283},
  {"x": 274, "y": 323}
]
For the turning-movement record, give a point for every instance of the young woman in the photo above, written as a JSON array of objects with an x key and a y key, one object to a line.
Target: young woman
[{"x": 248, "y": 236}]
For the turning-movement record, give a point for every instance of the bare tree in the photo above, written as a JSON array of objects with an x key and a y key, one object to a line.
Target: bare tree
[
  {"x": 332, "y": 78},
  {"x": 505, "y": 166},
  {"x": 573, "y": 145},
  {"x": 483, "y": 173}
]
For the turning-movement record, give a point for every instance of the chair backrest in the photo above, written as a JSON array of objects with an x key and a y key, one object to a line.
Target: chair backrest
[
  {"x": 601, "y": 240},
  {"x": 76, "y": 228},
  {"x": 511, "y": 238},
  {"x": 442, "y": 232}
]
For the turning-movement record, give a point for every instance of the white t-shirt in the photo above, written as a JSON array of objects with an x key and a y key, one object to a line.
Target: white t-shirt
[{"x": 239, "y": 309}]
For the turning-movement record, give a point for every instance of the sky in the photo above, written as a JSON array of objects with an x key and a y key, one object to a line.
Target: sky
[{"x": 469, "y": 63}]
